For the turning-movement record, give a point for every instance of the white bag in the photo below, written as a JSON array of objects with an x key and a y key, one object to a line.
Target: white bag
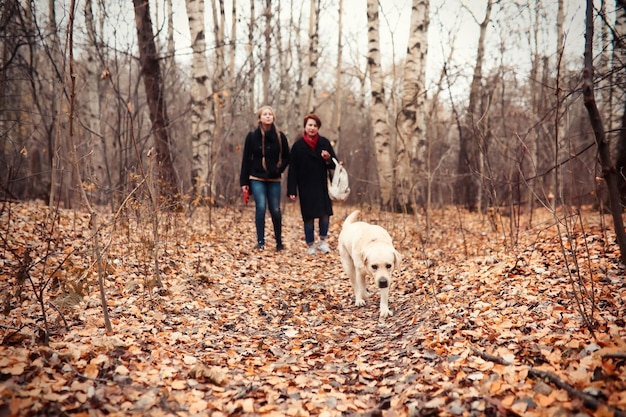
[{"x": 339, "y": 190}]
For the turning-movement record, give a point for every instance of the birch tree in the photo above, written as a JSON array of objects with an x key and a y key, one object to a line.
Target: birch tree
[
  {"x": 284, "y": 64},
  {"x": 618, "y": 71},
  {"x": 378, "y": 108},
  {"x": 219, "y": 87},
  {"x": 231, "y": 54},
  {"x": 537, "y": 103},
  {"x": 313, "y": 55},
  {"x": 267, "y": 63},
  {"x": 558, "y": 122},
  {"x": 56, "y": 148},
  {"x": 202, "y": 116},
  {"x": 336, "y": 122},
  {"x": 250, "y": 60},
  {"x": 411, "y": 143},
  {"x": 99, "y": 173}
]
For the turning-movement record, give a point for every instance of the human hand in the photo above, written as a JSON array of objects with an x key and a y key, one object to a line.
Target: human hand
[
  {"x": 326, "y": 155},
  {"x": 292, "y": 197}
]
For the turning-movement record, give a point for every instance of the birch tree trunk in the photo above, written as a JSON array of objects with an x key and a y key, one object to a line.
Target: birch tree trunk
[
  {"x": 617, "y": 64},
  {"x": 380, "y": 127},
  {"x": 219, "y": 86},
  {"x": 267, "y": 63},
  {"x": 299, "y": 77},
  {"x": 411, "y": 144},
  {"x": 604, "y": 68},
  {"x": 309, "y": 102},
  {"x": 98, "y": 173},
  {"x": 336, "y": 122},
  {"x": 289, "y": 117},
  {"x": 170, "y": 45},
  {"x": 558, "y": 116},
  {"x": 55, "y": 147},
  {"x": 618, "y": 71},
  {"x": 202, "y": 116},
  {"x": 250, "y": 60},
  {"x": 231, "y": 56},
  {"x": 529, "y": 169},
  {"x": 282, "y": 68}
]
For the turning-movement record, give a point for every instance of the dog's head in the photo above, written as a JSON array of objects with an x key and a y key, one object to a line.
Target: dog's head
[{"x": 380, "y": 262}]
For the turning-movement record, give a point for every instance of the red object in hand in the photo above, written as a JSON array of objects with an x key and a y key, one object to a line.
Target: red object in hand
[{"x": 246, "y": 196}]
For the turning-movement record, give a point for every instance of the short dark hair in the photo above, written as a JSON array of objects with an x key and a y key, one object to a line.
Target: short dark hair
[{"x": 315, "y": 117}]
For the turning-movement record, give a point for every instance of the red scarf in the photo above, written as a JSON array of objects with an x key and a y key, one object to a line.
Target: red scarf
[{"x": 312, "y": 142}]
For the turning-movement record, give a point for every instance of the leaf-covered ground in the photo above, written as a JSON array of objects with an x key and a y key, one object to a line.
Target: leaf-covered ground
[{"x": 489, "y": 319}]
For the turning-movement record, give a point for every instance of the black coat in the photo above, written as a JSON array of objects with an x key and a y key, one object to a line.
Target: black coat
[
  {"x": 308, "y": 177},
  {"x": 252, "y": 160}
]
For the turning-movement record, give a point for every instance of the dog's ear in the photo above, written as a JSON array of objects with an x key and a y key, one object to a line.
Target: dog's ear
[
  {"x": 398, "y": 258},
  {"x": 363, "y": 257}
]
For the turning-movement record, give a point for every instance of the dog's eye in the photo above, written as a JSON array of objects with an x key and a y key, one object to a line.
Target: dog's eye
[
  {"x": 388, "y": 266},
  {"x": 374, "y": 267}
]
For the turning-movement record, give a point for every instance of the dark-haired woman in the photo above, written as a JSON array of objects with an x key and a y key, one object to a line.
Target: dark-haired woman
[{"x": 311, "y": 159}]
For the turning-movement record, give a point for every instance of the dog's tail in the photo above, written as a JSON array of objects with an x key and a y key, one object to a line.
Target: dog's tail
[{"x": 352, "y": 217}]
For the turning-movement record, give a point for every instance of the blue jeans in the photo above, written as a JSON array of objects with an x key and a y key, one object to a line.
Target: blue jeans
[
  {"x": 309, "y": 229},
  {"x": 267, "y": 193}
]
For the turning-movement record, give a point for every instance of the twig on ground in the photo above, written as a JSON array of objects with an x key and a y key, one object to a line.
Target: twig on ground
[{"x": 589, "y": 400}]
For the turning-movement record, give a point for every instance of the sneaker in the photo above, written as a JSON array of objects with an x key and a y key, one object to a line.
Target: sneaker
[
  {"x": 279, "y": 247},
  {"x": 323, "y": 247},
  {"x": 260, "y": 246},
  {"x": 311, "y": 250}
]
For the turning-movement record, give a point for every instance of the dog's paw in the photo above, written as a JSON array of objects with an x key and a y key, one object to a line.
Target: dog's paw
[
  {"x": 359, "y": 302},
  {"x": 385, "y": 313}
]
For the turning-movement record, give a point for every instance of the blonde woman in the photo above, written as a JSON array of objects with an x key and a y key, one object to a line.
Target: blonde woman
[{"x": 265, "y": 157}]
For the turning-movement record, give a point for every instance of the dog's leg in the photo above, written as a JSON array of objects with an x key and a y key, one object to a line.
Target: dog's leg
[
  {"x": 349, "y": 269},
  {"x": 360, "y": 291},
  {"x": 384, "y": 303}
]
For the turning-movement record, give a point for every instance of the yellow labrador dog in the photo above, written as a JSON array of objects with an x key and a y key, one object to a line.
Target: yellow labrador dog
[{"x": 366, "y": 250}]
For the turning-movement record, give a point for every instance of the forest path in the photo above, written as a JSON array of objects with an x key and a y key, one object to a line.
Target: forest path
[{"x": 236, "y": 331}]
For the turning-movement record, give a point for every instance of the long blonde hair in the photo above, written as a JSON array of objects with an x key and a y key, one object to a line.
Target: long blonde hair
[{"x": 280, "y": 142}]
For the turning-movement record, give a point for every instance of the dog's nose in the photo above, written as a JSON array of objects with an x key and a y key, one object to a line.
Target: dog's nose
[{"x": 383, "y": 283}]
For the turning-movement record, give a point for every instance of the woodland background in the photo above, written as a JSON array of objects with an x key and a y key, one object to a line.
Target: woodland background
[
  {"x": 128, "y": 284},
  {"x": 89, "y": 88}
]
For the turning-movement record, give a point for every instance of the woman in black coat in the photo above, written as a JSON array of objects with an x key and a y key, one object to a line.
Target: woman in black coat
[
  {"x": 265, "y": 157},
  {"x": 310, "y": 160}
]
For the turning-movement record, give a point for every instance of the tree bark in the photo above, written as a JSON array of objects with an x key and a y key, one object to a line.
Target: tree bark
[
  {"x": 380, "y": 127},
  {"x": 202, "y": 121},
  {"x": 411, "y": 144},
  {"x": 250, "y": 60},
  {"x": 153, "y": 85},
  {"x": 267, "y": 61},
  {"x": 595, "y": 118},
  {"x": 98, "y": 170},
  {"x": 219, "y": 86},
  {"x": 313, "y": 55},
  {"x": 336, "y": 121},
  {"x": 558, "y": 119},
  {"x": 618, "y": 70}
]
